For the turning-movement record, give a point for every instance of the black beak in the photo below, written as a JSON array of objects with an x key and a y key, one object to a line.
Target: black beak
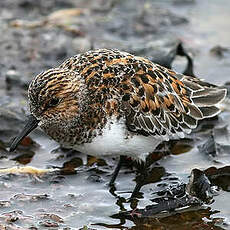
[{"x": 31, "y": 124}]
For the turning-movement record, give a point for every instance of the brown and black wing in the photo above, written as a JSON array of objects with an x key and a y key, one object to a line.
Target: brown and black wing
[{"x": 163, "y": 103}]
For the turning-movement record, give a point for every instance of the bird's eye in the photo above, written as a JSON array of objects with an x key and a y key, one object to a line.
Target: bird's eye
[{"x": 54, "y": 101}]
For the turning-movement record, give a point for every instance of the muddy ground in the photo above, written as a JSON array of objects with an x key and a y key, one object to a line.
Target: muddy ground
[{"x": 43, "y": 186}]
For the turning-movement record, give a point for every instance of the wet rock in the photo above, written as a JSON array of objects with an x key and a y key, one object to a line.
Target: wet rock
[
  {"x": 126, "y": 20},
  {"x": 49, "y": 224},
  {"x": 28, "y": 58},
  {"x": 220, "y": 51},
  {"x": 176, "y": 190},
  {"x": 24, "y": 158},
  {"x": 27, "y": 141},
  {"x": 52, "y": 217},
  {"x": 219, "y": 176},
  {"x": 27, "y": 197},
  {"x": 3, "y": 151},
  {"x": 33, "y": 228},
  {"x": 209, "y": 147},
  {"x": 57, "y": 179},
  {"x": 11, "y": 123},
  {"x": 94, "y": 160},
  {"x": 155, "y": 18},
  {"x": 154, "y": 175},
  {"x": 190, "y": 219},
  {"x": 5, "y": 204},
  {"x": 181, "y": 146},
  {"x": 14, "y": 79},
  {"x": 13, "y": 216},
  {"x": 166, "y": 204},
  {"x": 86, "y": 228},
  {"x": 177, "y": 197},
  {"x": 199, "y": 186},
  {"x": 73, "y": 163},
  {"x": 34, "y": 8},
  {"x": 212, "y": 148},
  {"x": 95, "y": 179},
  {"x": 33, "y": 5}
]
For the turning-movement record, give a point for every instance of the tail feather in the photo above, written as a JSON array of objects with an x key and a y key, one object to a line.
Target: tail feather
[
  {"x": 209, "y": 98},
  {"x": 191, "y": 122},
  {"x": 205, "y": 98},
  {"x": 204, "y": 92},
  {"x": 194, "y": 111},
  {"x": 210, "y": 111}
]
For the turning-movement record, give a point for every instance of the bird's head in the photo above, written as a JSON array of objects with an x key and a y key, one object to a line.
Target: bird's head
[{"x": 54, "y": 98}]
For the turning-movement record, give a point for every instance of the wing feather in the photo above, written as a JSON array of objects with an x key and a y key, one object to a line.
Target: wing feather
[{"x": 164, "y": 103}]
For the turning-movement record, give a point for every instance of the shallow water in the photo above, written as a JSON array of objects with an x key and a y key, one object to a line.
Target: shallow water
[{"x": 80, "y": 196}]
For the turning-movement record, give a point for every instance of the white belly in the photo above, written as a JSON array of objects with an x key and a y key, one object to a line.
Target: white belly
[{"x": 116, "y": 140}]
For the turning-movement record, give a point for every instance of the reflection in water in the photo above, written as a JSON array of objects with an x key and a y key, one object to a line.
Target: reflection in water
[{"x": 195, "y": 218}]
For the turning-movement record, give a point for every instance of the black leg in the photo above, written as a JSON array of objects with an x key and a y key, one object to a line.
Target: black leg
[
  {"x": 141, "y": 179},
  {"x": 116, "y": 171},
  {"x": 139, "y": 184}
]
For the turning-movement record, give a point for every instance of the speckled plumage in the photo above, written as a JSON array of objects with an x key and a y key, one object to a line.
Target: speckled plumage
[{"x": 90, "y": 93}]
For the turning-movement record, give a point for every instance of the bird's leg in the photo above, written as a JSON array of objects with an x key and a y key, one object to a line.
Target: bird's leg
[
  {"x": 141, "y": 179},
  {"x": 116, "y": 171}
]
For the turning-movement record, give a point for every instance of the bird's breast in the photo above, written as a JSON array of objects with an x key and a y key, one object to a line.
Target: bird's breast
[{"x": 115, "y": 139}]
